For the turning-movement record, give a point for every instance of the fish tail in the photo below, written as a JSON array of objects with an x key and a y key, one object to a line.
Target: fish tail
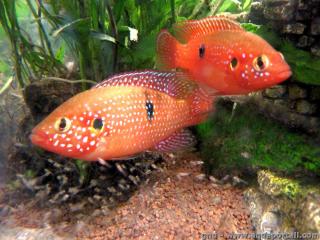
[
  {"x": 201, "y": 105},
  {"x": 167, "y": 50}
]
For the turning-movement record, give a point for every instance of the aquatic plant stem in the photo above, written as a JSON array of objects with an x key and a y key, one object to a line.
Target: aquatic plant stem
[
  {"x": 215, "y": 7},
  {"x": 10, "y": 24},
  {"x": 82, "y": 69},
  {"x": 42, "y": 32},
  {"x": 6, "y": 85},
  {"x": 114, "y": 30},
  {"x": 69, "y": 81},
  {"x": 173, "y": 11}
]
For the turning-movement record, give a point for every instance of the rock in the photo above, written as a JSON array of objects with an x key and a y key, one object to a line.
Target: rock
[
  {"x": 270, "y": 222},
  {"x": 275, "y": 186},
  {"x": 305, "y": 41},
  {"x": 42, "y": 97},
  {"x": 296, "y": 92},
  {"x": 310, "y": 124},
  {"x": 305, "y": 107},
  {"x": 256, "y": 12},
  {"x": 216, "y": 200},
  {"x": 12, "y": 111},
  {"x": 4, "y": 211},
  {"x": 281, "y": 103},
  {"x": 303, "y": 15},
  {"x": 276, "y": 91},
  {"x": 28, "y": 233},
  {"x": 315, "y": 50},
  {"x": 280, "y": 10},
  {"x": 314, "y": 125},
  {"x": 280, "y": 205},
  {"x": 314, "y": 93},
  {"x": 265, "y": 213},
  {"x": 309, "y": 217},
  {"x": 302, "y": 5},
  {"x": 294, "y": 28},
  {"x": 315, "y": 26}
]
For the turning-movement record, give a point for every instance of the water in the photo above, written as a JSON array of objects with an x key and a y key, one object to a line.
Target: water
[{"x": 255, "y": 168}]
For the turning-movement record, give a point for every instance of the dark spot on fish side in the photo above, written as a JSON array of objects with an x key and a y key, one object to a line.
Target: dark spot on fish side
[
  {"x": 150, "y": 110},
  {"x": 97, "y": 124},
  {"x": 202, "y": 51}
]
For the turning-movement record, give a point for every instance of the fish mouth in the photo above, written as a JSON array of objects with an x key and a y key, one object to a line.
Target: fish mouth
[
  {"x": 285, "y": 74},
  {"x": 38, "y": 138}
]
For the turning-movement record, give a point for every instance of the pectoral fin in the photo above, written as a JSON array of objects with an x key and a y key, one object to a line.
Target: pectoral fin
[{"x": 180, "y": 140}]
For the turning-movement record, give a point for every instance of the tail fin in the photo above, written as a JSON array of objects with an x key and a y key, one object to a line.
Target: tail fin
[
  {"x": 166, "y": 51},
  {"x": 202, "y": 104}
]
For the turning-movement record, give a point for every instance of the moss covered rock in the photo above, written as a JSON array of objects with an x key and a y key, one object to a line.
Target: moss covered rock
[
  {"x": 289, "y": 205},
  {"x": 243, "y": 140},
  {"x": 277, "y": 186}
]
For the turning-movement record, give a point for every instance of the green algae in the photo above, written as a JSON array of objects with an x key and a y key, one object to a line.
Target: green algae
[
  {"x": 249, "y": 141},
  {"x": 275, "y": 185}
]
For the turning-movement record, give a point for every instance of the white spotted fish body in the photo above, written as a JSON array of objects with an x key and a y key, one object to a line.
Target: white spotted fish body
[
  {"x": 221, "y": 56},
  {"x": 124, "y": 115}
]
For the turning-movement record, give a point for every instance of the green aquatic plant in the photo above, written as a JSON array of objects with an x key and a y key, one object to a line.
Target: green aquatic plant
[
  {"x": 250, "y": 141},
  {"x": 98, "y": 35},
  {"x": 30, "y": 58},
  {"x": 82, "y": 168}
]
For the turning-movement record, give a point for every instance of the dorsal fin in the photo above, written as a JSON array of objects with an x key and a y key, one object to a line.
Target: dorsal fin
[
  {"x": 187, "y": 30},
  {"x": 175, "y": 84}
]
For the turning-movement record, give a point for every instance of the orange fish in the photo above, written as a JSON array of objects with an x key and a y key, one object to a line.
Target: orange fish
[
  {"x": 221, "y": 56},
  {"x": 125, "y": 115}
]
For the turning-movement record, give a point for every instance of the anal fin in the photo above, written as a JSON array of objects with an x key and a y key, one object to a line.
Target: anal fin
[{"x": 180, "y": 140}]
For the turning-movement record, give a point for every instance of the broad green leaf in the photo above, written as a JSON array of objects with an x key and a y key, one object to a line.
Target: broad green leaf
[
  {"x": 246, "y": 4},
  {"x": 230, "y": 6}
]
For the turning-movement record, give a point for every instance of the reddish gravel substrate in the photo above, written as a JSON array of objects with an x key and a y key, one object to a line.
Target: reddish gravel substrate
[
  {"x": 178, "y": 202},
  {"x": 175, "y": 204}
]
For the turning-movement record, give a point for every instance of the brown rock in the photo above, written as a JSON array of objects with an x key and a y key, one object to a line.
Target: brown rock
[
  {"x": 280, "y": 10},
  {"x": 295, "y": 28},
  {"x": 305, "y": 107},
  {"x": 297, "y": 92},
  {"x": 276, "y": 91},
  {"x": 305, "y": 41},
  {"x": 315, "y": 93},
  {"x": 315, "y": 26},
  {"x": 315, "y": 50}
]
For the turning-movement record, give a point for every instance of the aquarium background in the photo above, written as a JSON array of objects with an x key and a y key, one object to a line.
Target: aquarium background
[{"x": 262, "y": 150}]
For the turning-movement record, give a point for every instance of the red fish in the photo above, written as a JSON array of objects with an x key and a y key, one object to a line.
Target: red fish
[
  {"x": 124, "y": 115},
  {"x": 220, "y": 55}
]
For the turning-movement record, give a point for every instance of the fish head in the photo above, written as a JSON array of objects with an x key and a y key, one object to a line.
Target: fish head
[
  {"x": 253, "y": 64},
  {"x": 75, "y": 129}
]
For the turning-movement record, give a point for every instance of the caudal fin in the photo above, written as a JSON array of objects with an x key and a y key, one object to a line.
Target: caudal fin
[
  {"x": 167, "y": 49},
  {"x": 202, "y": 104}
]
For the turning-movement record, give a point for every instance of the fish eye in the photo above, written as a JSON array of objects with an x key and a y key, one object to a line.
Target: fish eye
[
  {"x": 97, "y": 124},
  {"x": 202, "y": 50},
  {"x": 260, "y": 63},
  {"x": 234, "y": 63},
  {"x": 62, "y": 124}
]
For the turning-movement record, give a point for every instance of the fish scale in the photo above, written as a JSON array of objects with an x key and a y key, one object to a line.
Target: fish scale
[
  {"x": 125, "y": 115},
  {"x": 221, "y": 56}
]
